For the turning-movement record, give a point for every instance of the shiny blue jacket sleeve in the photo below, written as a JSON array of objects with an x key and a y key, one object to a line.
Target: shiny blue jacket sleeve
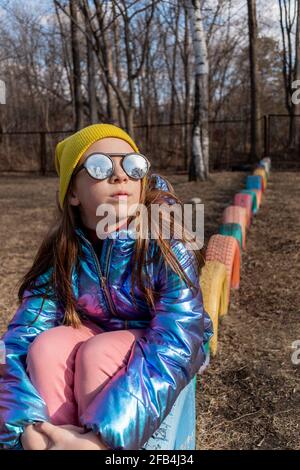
[
  {"x": 20, "y": 403},
  {"x": 133, "y": 404}
]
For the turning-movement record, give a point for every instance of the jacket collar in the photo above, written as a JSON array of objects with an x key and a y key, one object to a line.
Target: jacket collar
[{"x": 123, "y": 234}]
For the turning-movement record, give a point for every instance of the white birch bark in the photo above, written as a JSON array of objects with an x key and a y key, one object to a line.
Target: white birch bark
[{"x": 200, "y": 136}]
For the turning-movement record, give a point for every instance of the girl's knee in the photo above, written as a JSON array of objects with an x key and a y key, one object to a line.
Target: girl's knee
[
  {"x": 51, "y": 345},
  {"x": 109, "y": 347}
]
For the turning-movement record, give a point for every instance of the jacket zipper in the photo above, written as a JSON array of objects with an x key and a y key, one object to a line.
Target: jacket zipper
[
  {"x": 103, "y": 278},
  {"x": 107, "y": 264}
]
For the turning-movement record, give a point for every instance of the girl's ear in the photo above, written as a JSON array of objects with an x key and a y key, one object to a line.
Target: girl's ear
[{"x": 73, "y": 199}]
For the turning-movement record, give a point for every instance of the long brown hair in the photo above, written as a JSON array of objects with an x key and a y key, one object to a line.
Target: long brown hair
[{"x": 61, "y": 250}]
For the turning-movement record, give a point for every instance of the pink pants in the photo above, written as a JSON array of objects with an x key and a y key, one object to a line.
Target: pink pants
[{"x": 69, "y": 366}]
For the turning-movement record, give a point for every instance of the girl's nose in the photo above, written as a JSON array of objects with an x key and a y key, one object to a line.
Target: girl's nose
[{"x": 118, "y": 173}]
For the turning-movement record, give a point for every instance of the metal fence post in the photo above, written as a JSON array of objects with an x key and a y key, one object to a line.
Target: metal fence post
[
  {"x": 265, "y": 134},
  {"x": 268, "y": 149},
  {"x": 43, "y": 157}
]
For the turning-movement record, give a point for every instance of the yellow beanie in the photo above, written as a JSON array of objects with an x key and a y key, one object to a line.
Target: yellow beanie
[{"x": 69, "y": 151}]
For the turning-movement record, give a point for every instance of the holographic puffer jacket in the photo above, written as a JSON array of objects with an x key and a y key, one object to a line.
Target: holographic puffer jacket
[{"x": 134, "y": 403}]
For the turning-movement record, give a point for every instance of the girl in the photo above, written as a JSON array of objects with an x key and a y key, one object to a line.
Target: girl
[{"x": 110, "y": 330}]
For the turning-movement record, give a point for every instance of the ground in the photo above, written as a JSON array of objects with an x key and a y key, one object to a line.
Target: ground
[{"x": 249, "y": 397}]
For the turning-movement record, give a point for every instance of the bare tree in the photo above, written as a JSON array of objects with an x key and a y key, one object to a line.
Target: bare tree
[
  {"x": 126, "y": 99},
  {"x": 66, "y": 58},
  {"x": 185, "y": 54},
  {"x": 170, "y": 51},
  {"x": 289, "y": 11},
  {"x": 91, "y": 85},
  {"x": 296, "y": 120},
  {"x": 199, "y": 165},
  {"x": 254, "y": 83},
  {"x": 132, "y": 63},
  {"x": 78, "y": 101}
]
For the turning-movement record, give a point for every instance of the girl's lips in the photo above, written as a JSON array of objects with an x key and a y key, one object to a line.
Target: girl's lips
[{"x": 120, "y": 196}]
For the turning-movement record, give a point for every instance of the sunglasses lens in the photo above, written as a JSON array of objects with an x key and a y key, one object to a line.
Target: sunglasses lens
[
  {"x": 99, "y": 166},
  {"x": 135, "y": 165}
]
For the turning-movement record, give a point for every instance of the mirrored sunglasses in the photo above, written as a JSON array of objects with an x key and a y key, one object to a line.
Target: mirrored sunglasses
[{"x": 100, "y": 165}]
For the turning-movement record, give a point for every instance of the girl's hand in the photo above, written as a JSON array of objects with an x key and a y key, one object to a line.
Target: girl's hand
[
  {"x": 69, "y": 437},
  {"x": 31, "y": 439}
]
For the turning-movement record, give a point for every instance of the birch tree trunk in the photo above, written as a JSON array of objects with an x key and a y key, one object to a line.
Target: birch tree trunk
[{"x": 199, "y": 165}]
